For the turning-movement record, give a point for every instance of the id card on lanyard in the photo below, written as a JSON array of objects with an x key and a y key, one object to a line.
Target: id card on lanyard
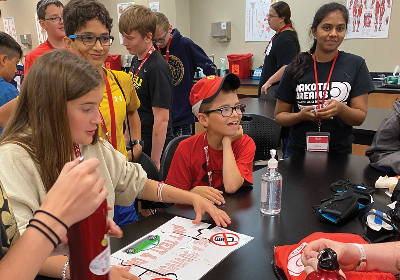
[{"x": 319, "y": 141}]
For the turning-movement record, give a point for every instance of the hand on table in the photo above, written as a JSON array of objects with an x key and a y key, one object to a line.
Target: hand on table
[
  {"x": 348, "y": 255},
  {"x": 121, "y": 274},
  {"x": 202, "y": 205},
  {"x": 210, "y": 193}
]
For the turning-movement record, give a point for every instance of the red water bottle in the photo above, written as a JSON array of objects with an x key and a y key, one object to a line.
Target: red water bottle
[
  {"x": 328, "y": 267},
  {"x": 89, "y": 247}
]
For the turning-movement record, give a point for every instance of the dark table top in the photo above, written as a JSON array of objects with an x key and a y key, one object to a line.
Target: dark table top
[
  {"x": 259, "y": 107},
  {"x": 306, "y": 181}
]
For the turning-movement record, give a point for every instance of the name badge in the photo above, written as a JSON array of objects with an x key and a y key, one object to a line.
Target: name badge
[{"x": 317, "y": 141}]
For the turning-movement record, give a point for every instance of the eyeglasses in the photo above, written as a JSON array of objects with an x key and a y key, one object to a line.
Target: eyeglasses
[
  {"x": 90, "y": 40},
  {"x": 227, "y": 111},
  {"x": 161, "y": 40},
  {"x": 54, "y": 19},
  {"x": 271, "y": 16}
]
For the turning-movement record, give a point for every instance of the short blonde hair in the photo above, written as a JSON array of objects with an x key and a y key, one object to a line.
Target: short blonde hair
[
  {"x": 162, "y": 21},
  {"x": 137, "y": 18}
]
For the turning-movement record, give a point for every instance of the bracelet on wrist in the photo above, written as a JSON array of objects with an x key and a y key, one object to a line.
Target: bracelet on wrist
[
  {"x": 362, "y": 263},
  {"x": 64, "y": 271},
  {"x": 159, "y": 190},
  {"x": 54, "y": 217}
]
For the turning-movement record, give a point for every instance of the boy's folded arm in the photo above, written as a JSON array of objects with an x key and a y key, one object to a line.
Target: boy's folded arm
[{"x": 231, "y": 175}]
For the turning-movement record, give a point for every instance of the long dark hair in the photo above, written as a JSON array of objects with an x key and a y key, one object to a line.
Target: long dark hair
[
  {"x": 283, "y": 10},
  {"x": 302, "y": 60}
]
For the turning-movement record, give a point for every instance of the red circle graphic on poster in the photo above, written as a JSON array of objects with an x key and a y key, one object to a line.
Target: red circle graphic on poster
[{"x": 225, "y": 239}]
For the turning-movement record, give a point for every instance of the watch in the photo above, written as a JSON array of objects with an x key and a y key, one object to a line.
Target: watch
[{"x": 134, "y": 142}]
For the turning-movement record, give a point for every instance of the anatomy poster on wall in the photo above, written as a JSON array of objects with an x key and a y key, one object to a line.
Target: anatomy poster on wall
[
  {"x": 120, "y": 8},
  {"x": 368, "y": 18},
  {"x": 257, "y": 28},
  {"x": 42, "y": 34},
  {"x": 9, "y": 27},
  {"x": 178, "y": 250}
]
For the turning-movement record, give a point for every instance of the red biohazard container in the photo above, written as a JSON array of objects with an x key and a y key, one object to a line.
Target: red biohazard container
[
  {"x": 240, "y": 64},
  {"x": 113, "y": 62},
  {"x": 89, "y": 247}
]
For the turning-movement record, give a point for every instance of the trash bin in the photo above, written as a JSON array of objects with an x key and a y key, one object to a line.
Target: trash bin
[
  {"x": 240, "y": 64},
  {"x": 113, "y": 62}
]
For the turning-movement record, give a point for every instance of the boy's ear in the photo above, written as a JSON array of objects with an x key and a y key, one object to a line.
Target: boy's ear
[
  {"x": 148, "y": 37},
  {"x": 41, "y": 22},
  {"x": 68, "y": 43},
  {"x": 203, "y": 120},
  {"x": 3, "y": 58}
]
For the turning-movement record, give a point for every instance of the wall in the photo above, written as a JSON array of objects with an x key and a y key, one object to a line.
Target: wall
[
  {"x": 203, "y": 12},
  {"x": 194, "y": 17}
]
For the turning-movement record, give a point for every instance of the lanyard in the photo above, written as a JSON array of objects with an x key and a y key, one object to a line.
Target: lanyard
[
  {"x": 208, "y": 167},
  {"x": 77, "y": 150},
  {"x": 279, "y": 31},
  {"x": 167, "y": 51},
  {"x": 327, "y": 83},
  {"x": 151, "y": 50},
  {"x": 113, "y": 139}
]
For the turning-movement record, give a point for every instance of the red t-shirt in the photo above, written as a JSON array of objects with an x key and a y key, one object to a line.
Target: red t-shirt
[
  {"x": 189, "y": 168},
  {"x": 35, "y": 54}
]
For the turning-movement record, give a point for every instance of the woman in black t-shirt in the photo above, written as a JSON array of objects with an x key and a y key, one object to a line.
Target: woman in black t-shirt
[
  {"x": 281, "y": 49},
  {"x": 340, "y": 99}
]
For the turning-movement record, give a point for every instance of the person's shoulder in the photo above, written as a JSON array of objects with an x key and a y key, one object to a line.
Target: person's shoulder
[
  {"x": 345, "y": 56},
  {"x": 245, "y": 141},
  {"x": 120, "y": 75},
  {"x": 13, "y": 151},
  {"x": 7, "y": 88}
]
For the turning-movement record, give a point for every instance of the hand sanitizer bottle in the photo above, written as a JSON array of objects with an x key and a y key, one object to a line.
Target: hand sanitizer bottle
[{"x": 271, "y": 188}]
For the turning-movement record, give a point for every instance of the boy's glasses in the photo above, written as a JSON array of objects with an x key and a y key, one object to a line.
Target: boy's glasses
[
  {"x": 161, "y": 40},
  {"x": 90, "y": 40},
  {"x": 227, "y": 111},
  {"x": 54, "y": 19}
]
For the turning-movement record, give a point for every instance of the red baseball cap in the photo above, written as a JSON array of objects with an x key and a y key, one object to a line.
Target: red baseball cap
[{"x": 208, "y": 88}]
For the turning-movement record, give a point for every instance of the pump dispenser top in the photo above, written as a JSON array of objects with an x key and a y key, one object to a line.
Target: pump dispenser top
[{"x": 273, "y": 163}]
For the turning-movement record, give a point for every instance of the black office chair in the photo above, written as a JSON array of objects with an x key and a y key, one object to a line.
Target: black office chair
[
  {"x": 168, "y": 154},
  {"x": 265, "y": 133}
]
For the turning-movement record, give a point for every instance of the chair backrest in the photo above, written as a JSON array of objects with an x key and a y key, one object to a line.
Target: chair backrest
[
  {"x": 265, "y": 133},
  {"x": 168, "y": 154},
  {"x": 149, "y": 166}
]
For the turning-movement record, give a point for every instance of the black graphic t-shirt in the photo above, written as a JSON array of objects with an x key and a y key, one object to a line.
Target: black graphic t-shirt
[
  {"x": 154, "y": 88},
  {"x": 9, "y": 232},
  {"x": 350, "y": 78}
]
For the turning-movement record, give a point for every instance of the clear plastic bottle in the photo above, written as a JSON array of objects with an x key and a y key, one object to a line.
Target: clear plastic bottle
[{"x": 271, "y": 188}]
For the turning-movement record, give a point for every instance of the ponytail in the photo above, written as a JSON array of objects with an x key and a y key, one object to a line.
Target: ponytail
[{"x": 300, "y": 64}]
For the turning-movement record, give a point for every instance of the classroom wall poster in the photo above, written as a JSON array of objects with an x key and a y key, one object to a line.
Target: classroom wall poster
[
  {"x": 9, "y": 27},
  {"x": 42, "y": 34},
  {"x": 256, "y": 26},
  {"x": 154, "y": 6},
  {"x": 120, "y": 8},
  {"x": 368, "y": 18}
]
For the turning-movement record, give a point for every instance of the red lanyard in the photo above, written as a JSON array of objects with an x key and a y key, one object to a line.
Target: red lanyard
[
  {"x": 209, "y": 173},
  {"x": 327, "y": 82},
  {"x": 167, "y": 51},
  {"x": 77, "y": 150},
  {"x": 279, "y": 31},
  {"x": 151, "y": 50},
  {"x": 113, "y": 139}
]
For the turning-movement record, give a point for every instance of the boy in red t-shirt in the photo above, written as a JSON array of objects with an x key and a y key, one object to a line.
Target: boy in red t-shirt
[{"x": 222, "y": 156}]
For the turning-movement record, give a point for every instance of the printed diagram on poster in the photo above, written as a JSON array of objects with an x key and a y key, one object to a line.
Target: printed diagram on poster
[
  {"x": 178, "y": 250},
  {"x": 257, "y": 28},
  {"x": 120, "y": 8},
  {"x": 42, "y": 34},
  {"x": 154, "y": 6},
  {"x": 9, "y": 27},
  {"x": 368, "y": 18}
]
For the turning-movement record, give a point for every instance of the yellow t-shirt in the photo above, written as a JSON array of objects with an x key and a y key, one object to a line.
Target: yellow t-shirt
[{"x": 119, "y": 106}]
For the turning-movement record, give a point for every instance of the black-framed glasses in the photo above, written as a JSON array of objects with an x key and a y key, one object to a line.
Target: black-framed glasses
[
  {"x": 227, "y": 111},
  {"x": 54, "y": 19},
  {"x": 90, "y": 40},
  {"x": 161, "y": 40}
]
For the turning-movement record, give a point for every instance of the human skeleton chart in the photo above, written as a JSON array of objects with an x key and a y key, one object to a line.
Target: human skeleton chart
[
  {"x": 368, "y": 18},
  {"x": 178, "y": 250},
  {"x": 257, "y": 28}
]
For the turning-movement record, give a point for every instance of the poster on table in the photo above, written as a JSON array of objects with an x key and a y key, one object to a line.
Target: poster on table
[
  {"x": 178, "y": 250},
  {"x": 42, "y": 34},
  {"x": 120, "y": 8},
  {"x": 368, "y": 18},
  {"x": 9, "y": 27},
  {"x": 154, "y": 6},
  {"x": 256, "y": 27}
]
